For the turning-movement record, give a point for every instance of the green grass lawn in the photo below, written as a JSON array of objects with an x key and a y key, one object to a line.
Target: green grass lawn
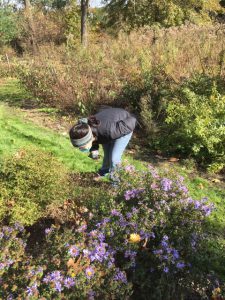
[{"x": 17, "y": 133}]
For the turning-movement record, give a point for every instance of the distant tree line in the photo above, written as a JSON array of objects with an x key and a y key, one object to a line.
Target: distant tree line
[{"x": 114, "y": 16}]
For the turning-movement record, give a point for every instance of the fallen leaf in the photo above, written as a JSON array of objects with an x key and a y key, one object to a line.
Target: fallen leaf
[
  {"x": 216, "y": 180},
  {"x": 173, "y": 159}
]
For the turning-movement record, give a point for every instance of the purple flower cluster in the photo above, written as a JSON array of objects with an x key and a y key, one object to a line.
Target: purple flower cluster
[
  {"x": 35, "y": 271},
  {"x": 168, "y": 255},
  {"x": 132, "y": 194},
  {"x": 131, "y": 255},
  {"x": 115, "y": 212},
  {"x": 199, "y": 205},
  {"x": 153, "y": 172},
  {"x": 32, "y": 290},
  {"x": 129, "y": 168},
  {"x": 6, "y": 264},
  {"x": 120, "y": 276},
  {"x": 58, "y": 281},
  {"x": 166, "y": 184}
]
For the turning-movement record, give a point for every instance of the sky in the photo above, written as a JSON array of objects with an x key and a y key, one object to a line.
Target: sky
[{"x": 95, "y": 3}]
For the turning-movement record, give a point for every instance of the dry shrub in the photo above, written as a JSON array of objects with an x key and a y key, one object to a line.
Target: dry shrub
[
  {"x": 67, "y": 77},
  {"x": 47, "y": 28}
]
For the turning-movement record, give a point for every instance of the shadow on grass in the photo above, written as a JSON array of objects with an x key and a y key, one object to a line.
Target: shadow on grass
[{"x": 12, "y": 93}]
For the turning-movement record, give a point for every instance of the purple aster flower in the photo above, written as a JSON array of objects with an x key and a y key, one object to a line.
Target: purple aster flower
[
  {"x": 129, "y": 215},
  {"x": 180, "y": 265},
  {"x": 110, "y": 264},
  {"x": 7, "y": 231},
  {"x": 135, "y": 210},
  {"x": 1, "y": 235},
  {"x": 2, "y": 266},
  {"x": 120, "y": 276},
  {"x": 69, "y": 282},
  {"x": 123, "y": 222},
  {"x": 18, "y": 226},
  {"x": 89, "y": 272},
  {"x": 131, "y": 194},
  {"x": 175, "y": 254},
  {"x": 207, "y": 209},
  {"x": 166, "y": 269},
  {"x": 158, "y": 252},
  {"x": 164, "y": 244},
  {"x": 31, "y": 290},
  {"x": 74, "y": 251},
  {"x": 130, "y": 254},
  {"x": 48, "y": 230},
  {"x": 129, "y": 168},
  {"x": 153, "y": 172},
  {"x": 183, "y": 189},
  {"x": 105, "y": 220},
  {"x": 101, "y": 237},
  {"x": 166, "y": 184},
  {"x": 173, "y": 195},
  {"x": 115, "y": 212},
  {"x": 82, "y": 228},
  {"x": 58, "y": 286},
  {"x": 197, "y": 204}
]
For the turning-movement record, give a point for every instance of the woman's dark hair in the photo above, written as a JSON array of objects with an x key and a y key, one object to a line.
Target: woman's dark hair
[{"x": 80, "y": 130}]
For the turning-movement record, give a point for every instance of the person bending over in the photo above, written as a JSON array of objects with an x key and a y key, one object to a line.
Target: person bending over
[{"x": 110, "y": 127}]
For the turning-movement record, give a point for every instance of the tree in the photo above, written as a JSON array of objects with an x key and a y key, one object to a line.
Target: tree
[
  {"x": 137, "y": 13},
  {"x": 84, "y": 12},
  {"x": 29, "y": 16}
]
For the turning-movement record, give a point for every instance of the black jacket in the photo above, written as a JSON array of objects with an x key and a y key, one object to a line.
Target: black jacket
[{"x": 114, "y": 123}]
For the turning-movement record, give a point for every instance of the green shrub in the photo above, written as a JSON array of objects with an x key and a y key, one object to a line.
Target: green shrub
[
  {"x": 8, "y": 26},
  {"x": 31, "y": 183},
  {"x": 195, "y": 119}
]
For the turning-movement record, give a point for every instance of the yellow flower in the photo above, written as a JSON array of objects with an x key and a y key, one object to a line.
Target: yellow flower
[
  {"x": 134, "y": 238},
  {"x": 216, "y": 291}
]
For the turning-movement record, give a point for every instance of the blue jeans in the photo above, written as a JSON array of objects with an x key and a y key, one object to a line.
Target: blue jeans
[{"x": 113, "y": 152}]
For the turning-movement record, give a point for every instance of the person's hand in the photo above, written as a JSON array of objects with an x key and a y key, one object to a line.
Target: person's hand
[{"x": 94, "y": 154}]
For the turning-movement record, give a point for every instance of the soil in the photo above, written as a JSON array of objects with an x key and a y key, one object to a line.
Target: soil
[{"x": 56, "y": 122}]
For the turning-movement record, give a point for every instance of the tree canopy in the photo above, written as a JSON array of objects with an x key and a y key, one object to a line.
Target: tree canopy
[{"x": 133, "y": 13}]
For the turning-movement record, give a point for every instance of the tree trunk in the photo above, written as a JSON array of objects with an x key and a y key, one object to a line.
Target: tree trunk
[
  {"x": 84, "y": 11},
  {"x": 29, "y": 16}
]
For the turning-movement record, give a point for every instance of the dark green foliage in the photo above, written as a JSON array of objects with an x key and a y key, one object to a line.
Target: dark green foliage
[{"x": 8, "y": 25}]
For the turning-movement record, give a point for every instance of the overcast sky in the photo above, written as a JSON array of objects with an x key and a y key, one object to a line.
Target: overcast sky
[{"x": 95, "y": 3}]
